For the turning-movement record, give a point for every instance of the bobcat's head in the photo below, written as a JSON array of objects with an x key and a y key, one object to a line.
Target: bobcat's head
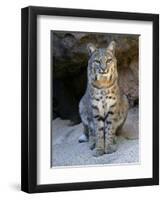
[{"x": 102, "y": 66}]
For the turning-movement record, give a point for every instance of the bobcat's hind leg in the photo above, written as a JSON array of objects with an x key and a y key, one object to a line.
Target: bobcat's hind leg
[{"x": 84, "y": 136}]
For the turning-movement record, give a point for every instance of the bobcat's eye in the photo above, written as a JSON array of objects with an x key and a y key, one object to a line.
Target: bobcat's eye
[
  {"x": 109, "y": 61},
  {"x": 96, "y": 62}
]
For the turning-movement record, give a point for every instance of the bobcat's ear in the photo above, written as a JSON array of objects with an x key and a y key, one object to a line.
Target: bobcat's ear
[
  {"x": 91, "y": 48},
  {"x": 111, "y": 47}
]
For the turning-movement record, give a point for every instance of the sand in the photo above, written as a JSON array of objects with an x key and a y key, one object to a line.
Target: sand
[{"x": 67, "y": 151}]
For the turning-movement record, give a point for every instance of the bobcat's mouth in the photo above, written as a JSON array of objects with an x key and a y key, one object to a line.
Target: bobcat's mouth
[{"x": 103, "y": 72}]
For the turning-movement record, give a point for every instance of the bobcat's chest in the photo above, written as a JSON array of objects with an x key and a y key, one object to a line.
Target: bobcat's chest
[{"x": 103, "y": 101}]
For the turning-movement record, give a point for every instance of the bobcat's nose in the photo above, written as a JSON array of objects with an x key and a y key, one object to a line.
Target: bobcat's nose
[{"x": 103, "y": 69}]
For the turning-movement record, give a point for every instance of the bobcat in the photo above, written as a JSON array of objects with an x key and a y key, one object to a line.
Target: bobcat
[{"x": 103, "y": 109}]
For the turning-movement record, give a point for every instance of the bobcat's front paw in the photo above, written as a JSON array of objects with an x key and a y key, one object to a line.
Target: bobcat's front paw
[
  {"x": 83, "y": 138},
  {"x": 110, "y": 148},
  {"x": 98, "y": 152}
]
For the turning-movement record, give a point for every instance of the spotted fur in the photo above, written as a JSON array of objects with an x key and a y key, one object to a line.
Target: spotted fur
[{"x": 103, "y": 109}]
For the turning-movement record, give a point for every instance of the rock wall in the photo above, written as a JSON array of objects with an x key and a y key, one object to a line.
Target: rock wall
[{"x": 69, "y": 64}]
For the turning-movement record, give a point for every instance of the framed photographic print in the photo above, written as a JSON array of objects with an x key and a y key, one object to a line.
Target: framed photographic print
[{"x": 90, "y": 99}]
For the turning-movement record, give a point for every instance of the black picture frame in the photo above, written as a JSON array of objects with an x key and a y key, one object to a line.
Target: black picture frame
[{"x": 29, "y": 99}]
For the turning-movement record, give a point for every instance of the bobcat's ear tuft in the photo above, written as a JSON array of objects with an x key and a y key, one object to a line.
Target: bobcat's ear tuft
[
  {"x": 91, "y": 48},
  {"x": 111, "y": 47}
]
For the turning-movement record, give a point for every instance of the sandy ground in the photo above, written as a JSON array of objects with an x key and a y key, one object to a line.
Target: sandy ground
[{"x": 66, "y": 151}]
